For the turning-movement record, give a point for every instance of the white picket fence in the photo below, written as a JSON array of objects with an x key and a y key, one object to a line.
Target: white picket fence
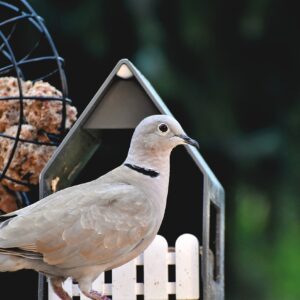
[{"x": 156, "y": 285}]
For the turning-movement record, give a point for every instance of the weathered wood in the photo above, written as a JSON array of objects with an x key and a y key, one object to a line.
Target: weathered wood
[
  {"x": 155, "y": 261},
  {"x": 187, "y": 267},
  {"x": 156, "y": 270},
  {"x": 124, "y": 281}
]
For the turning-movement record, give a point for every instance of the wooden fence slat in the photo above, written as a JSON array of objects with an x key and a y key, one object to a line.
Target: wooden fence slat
[
  {"x": 98, "y": 284},
  {"x": 156, "y": 270},
  {"x": 124, "y": 281},
  {"x": 68, "y": 286},
  {"x": 155, "y": 260},
  {"x": 187, "y": 267}
]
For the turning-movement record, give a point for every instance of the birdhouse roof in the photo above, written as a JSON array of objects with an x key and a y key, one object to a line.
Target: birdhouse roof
[{"x": 123, "y": 100}]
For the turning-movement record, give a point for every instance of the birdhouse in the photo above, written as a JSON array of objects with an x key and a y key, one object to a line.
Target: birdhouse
[{"x": 186, "y": 260}]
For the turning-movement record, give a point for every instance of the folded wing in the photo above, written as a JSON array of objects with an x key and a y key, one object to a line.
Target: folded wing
[{"x": 93, "y": 224}]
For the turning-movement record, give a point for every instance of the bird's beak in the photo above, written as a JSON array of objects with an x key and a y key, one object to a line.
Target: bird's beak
[{"x": 188, "y": 140}]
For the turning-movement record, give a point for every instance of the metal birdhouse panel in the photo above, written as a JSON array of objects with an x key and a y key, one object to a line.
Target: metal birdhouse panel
[
  {"x": 122, "y": 93},
  {"x": 70, "y": 161},
  {"x": 125, "y": 98}
]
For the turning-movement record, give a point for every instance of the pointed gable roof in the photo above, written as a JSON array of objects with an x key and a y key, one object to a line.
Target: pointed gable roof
[{"x": 124, "y": 99}]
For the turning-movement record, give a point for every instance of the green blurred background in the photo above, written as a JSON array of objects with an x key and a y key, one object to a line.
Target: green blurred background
[{"x": 229, "y": 71}]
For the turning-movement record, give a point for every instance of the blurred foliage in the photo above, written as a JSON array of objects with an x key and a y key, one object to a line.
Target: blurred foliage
[{"x": 229, "y": 70}]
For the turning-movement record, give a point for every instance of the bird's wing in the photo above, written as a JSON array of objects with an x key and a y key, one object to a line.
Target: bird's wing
[{"x": 93, "y": 224}]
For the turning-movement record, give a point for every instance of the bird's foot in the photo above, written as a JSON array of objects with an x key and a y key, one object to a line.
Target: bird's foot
[
  {"x": 63, "y": 295},
  {"x": 94, "y": 295},
  {"x": 56, "y": 283}
]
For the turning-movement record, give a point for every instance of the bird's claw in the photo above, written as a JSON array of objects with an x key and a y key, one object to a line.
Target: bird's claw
[{"x": 97, "y": 296}]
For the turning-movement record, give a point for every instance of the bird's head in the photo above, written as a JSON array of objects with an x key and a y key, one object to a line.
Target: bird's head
[{"x": 159, "y": 133}]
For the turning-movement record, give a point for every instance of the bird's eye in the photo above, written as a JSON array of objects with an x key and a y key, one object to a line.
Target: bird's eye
[{"x": 163, "y": 128}]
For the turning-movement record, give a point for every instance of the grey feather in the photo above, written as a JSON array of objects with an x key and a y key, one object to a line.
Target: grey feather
[{"x": 86, "y": 229}]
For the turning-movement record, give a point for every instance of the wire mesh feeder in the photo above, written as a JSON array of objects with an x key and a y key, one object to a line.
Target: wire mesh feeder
[{"x": 27, "y": 52}]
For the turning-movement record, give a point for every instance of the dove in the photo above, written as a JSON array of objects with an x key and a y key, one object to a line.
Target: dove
[{"x": 86, "y": 229}]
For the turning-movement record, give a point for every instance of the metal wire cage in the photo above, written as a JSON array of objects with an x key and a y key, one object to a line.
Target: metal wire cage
[{"x": 27, "y": 52}]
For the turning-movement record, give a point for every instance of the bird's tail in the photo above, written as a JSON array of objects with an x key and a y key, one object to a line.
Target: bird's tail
[{"x": 11, "y": 263}]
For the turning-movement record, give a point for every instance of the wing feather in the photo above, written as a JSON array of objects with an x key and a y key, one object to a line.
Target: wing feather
[{"x": 91, "y": 224}]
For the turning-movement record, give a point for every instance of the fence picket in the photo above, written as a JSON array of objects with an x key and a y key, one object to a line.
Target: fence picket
[
  {"x": 156, "y": 270},
  {"x": 68, "y": 286},
  {"x": 98, "y": 284},
  {"x": 156, "y": 286},
  {"x": 187, "y": 267},
  {"x": 124, "y": 281}
]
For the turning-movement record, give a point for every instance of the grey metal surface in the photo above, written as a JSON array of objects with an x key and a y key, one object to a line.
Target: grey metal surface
[
  {"x": 107, "y": 110},
  {"x": 110, "y": 112}
]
